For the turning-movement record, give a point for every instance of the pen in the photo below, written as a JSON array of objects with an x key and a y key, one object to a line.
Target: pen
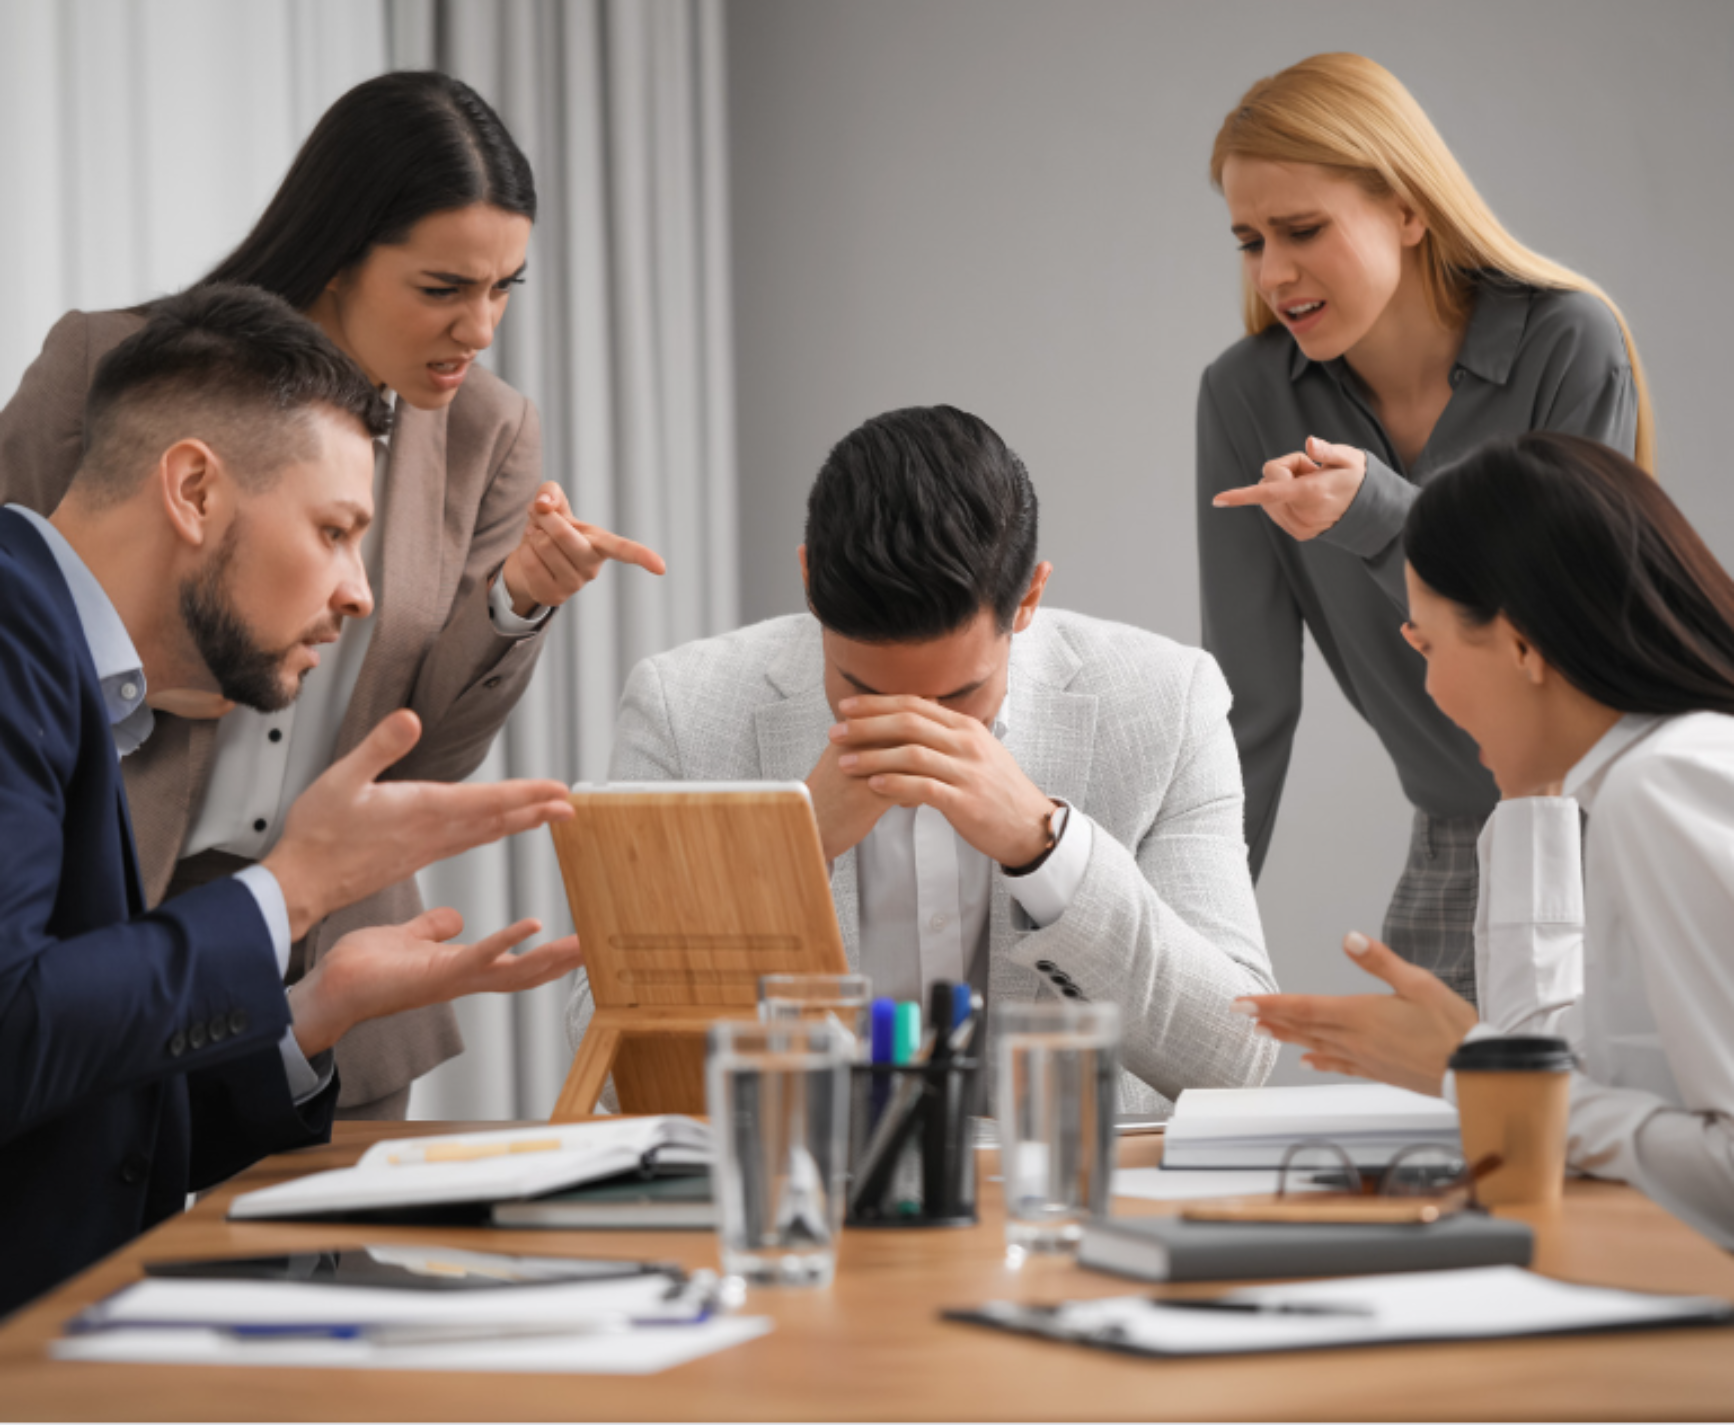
[
  {"x": 1263, "y": 1308},
  {"x": 941, "y": 1014}
]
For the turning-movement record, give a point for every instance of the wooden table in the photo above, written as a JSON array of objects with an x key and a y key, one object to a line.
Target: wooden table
[{"x": 872, "y": 1346}]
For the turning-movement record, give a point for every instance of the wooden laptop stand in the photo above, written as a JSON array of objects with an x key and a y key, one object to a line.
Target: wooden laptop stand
[{"x": 682, "y": 896}]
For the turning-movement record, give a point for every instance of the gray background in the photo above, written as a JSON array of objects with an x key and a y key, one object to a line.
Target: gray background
[{"x": 1005, "y": 205}]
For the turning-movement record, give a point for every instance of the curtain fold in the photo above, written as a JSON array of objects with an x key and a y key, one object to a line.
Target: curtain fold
[
  {"x": 139, "y": 139},
  {"x": 623, "y": 338}
]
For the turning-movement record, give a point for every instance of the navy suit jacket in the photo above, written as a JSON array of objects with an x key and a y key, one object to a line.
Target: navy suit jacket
[{"x": 138, "y": 1052}]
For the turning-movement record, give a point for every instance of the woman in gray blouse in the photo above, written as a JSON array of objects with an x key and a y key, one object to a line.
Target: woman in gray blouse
[{"x": 1393, "y": 325}]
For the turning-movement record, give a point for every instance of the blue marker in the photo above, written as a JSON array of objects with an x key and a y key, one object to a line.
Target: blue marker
[
  {"x": 884, "y": 1030},
  {"x": 884, "y": 1041},
  {"x": 962, "y": 1004}
]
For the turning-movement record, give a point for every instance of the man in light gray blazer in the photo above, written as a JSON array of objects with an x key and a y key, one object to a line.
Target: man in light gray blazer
[{"x": 1042, "y": 803}]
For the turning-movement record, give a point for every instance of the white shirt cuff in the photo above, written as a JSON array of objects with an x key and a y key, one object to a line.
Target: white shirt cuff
[
  {"x": 273, "y": 907},
  {"x": 1046, "y": 892},
  {"x": 305, "y": 1080},
  {"x": 505, "y": 621}
]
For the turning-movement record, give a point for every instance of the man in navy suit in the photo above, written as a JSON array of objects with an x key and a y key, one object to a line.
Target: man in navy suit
[{"x": 208, "y": 546}]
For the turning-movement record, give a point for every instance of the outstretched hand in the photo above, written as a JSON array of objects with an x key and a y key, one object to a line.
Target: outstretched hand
[
  {"x": 559, "y": 554},
  {"x": 387, "y": 969},
  {"x": 350, "y": 834},
  {"x": 1306, "y": 492},
  {"x": 1403, "y": 1038}
]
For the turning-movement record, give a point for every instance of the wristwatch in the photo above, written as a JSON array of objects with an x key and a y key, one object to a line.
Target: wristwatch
[{"x": 1055, "y": 826}]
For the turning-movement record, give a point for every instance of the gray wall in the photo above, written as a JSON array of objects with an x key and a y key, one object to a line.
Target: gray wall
[{"x": 1004, "y": 204}]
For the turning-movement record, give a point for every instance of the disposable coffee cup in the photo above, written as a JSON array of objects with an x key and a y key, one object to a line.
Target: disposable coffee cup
[{"x": 1513, "y": 1098}]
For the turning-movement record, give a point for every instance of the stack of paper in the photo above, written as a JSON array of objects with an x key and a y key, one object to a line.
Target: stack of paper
[
  {"x": 503, "y": 1165},
  {"x": 623, "y": 1326},
  {"x": 1253, "y": 1128}
]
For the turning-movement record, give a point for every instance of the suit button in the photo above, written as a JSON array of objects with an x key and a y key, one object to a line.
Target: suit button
[
  {"x": 238, "y": 1021},
  {"x": 196, "y": 1036},
  {"x": 134, "y": 1170},
  {"x": 1072, "y": 992},
  {"x": 1045, "y": 966},
  {"x": 219, "y": 1029},
  {"x": 492, "y": 682},
  {"x": 177, "y": 1045}
]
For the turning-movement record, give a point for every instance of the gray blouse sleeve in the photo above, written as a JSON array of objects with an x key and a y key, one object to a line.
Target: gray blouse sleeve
[{"x": 1252, "y": 624}]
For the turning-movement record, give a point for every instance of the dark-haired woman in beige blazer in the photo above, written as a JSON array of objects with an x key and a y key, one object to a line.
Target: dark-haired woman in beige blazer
[{"x": 400, "y": 229}]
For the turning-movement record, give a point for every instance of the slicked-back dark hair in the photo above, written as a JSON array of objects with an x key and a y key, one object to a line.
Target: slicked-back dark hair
[
  {"x": 918, "y": 520},
  {"x": 393, "y": 150},
  {"x": 1590, "y": 561},
  {"x": 233, "y": 366}
]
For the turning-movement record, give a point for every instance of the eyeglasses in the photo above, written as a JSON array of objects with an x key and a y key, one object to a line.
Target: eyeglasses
[{"x": 1433, "y": 1171}]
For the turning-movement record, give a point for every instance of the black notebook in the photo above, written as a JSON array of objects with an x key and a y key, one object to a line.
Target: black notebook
[{"x": 1178, "y": 1250}]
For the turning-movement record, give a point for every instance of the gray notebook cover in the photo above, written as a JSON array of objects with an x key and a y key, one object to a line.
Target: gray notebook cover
[{"x": 1173, "y": 1249}]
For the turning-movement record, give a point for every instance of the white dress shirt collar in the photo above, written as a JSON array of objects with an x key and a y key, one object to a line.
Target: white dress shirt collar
[
  {"x": 118, "y": 668},
  {"x": 1586, "y": 777}
]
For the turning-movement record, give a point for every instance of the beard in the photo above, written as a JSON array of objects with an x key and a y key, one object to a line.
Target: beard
[{"x": 246, "y": 671}]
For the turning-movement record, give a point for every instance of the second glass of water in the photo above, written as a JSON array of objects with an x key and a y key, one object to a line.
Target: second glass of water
[
  {"x": 778, "y": 1095},
  {"x": 1056, "y": 1090}
]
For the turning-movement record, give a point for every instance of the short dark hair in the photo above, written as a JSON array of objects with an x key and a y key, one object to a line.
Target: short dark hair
[
  {"x": 1590, "y": 561},
  {"x": 232, "y": 366},
  {"x": 393, "y": 150},
  {"x": 918, "y": 520}
]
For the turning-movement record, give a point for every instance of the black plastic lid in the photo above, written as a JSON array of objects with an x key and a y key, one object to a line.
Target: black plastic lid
[{"x": 1532, "y": 1053}]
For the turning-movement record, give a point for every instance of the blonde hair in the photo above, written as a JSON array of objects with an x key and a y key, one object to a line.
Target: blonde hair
[{"x": 1346, "y": 113}]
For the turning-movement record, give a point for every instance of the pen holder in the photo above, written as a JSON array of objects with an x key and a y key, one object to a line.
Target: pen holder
[{"x": 911, "y": 1147}]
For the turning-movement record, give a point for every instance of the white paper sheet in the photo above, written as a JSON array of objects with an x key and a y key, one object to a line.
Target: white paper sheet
[
  {"x": 1400, "y": 1306},
  {"x": 640, "y": 1352},
  {"x": 207, "y": 1302},
  {"x": 1184, "y": 1184}
]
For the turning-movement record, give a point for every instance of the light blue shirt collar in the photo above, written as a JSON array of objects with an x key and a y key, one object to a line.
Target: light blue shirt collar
[{"x": 117, "y": 662}]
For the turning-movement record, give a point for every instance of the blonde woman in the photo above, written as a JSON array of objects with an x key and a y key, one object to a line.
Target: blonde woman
[{"x": 1392, "y": 325}]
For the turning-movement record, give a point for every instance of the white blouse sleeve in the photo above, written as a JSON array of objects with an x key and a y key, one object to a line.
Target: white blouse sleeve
[
  {"x": 1529, "y": 917},
  {"x": 1664, "y": 843}
]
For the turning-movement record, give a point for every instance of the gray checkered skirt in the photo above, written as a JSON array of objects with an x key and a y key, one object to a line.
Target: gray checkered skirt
[{"x": 1431, "y": 919}]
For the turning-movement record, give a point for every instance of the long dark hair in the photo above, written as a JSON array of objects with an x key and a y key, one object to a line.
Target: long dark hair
[
  {"x": 391, "y": 151},
  {"x": 1590, "y": 561}
]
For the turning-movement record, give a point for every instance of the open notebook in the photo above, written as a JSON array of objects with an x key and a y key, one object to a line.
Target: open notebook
[{"x": 411, "y": 1175}]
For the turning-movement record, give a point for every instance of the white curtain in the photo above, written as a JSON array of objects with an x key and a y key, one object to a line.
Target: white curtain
[
  {"x": 139, "y": 139},
  {"x": 623, "y": 339}
]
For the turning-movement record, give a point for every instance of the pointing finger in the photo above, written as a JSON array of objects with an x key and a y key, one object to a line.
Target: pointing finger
[{"x": 620, "y": 549}]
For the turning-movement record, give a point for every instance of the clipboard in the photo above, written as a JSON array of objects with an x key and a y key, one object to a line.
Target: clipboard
[{"x": 683, "y": 894}]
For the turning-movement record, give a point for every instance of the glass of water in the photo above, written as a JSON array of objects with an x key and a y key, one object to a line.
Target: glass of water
[
  {"x": 848, "y": 998},
  {"x": 778, "y": 1095},
  {"x": 1055, "y": 1093}
]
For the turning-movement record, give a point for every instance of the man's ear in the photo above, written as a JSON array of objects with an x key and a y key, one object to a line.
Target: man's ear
[
  {"x": 1032, "y": 597},
  {"x": 801, "y": 554},
  {"x": 195, "y": 491}
]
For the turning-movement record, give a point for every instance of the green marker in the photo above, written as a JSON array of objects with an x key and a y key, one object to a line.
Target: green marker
[{"x": 906, "y": 1034}]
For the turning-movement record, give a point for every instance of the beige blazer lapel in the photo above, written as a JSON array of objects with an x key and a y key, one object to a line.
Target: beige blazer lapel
[
  {"x": 791, "y": 735},
  {"x": 165, "y": 780},
  {"x": 1051, "y": 735},
  {"x": 412, "y": 512}
]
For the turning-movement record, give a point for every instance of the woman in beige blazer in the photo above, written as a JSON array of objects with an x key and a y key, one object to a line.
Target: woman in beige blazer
[{"x": 400, "y": 228}]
